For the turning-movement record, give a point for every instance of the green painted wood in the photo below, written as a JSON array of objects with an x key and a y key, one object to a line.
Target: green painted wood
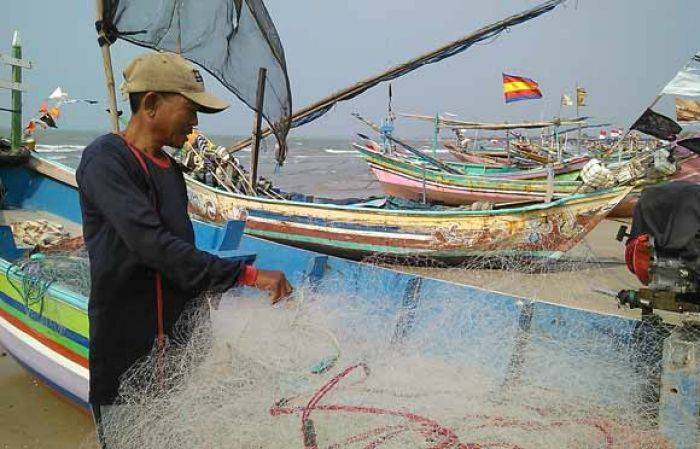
[{"x": 16, "y": 127}]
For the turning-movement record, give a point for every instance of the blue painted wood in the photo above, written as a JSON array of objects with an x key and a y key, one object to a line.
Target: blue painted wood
[
  {"x": 274, "y": 256},
  {"x": 8, "y": 248},
  {"x": 522, "y": 339},
  {"x": 234, "y": 255},
  {"x": 679, "y": 412},
  {"x": 407, "y": 311},
  {"x": 315, "y": 270},
  {"x": 476, "y": 326},
  {"x": 31, "y": 190},
  {"x": 230, "y": 235},
  {"x": 212, "y": 237}
]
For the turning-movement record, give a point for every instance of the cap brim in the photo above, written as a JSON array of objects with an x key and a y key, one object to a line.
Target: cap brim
[{"x": 208, "y": 103}]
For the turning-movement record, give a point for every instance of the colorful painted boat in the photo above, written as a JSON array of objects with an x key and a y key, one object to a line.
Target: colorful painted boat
[
  {"x": 50, "y": 338},
  {"x": 366, "y": 228},
  {"x": 688, "y": 171},
  {"x": 473, "y": 157},
  {"x": 357, "y": 231},
  {"x": 406, "y": 180},
  {"x": 565, "y": 170}
]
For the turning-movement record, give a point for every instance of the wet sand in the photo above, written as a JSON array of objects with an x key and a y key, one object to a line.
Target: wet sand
[{"x": 34, "y": 417}]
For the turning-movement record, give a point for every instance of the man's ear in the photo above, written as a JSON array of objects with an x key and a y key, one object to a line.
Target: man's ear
[{"x": 150, "y": 103}]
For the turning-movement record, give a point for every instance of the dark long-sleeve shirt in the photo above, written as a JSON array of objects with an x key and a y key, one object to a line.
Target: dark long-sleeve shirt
[{"x": 136, "y": 225}]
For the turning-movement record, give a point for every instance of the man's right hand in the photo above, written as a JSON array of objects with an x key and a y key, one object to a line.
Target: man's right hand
[{"x": 275, "y": 283}]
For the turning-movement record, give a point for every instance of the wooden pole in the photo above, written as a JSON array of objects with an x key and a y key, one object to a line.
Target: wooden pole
[
  {"x": 16, "y": 129},
  {"x": 107, "y": 64},
  {"x": 436, "y": 133},
  {"x": 579, "y": 135},
  {"x": 508, "y": 145},
  {"x": 259, "y": 101}
]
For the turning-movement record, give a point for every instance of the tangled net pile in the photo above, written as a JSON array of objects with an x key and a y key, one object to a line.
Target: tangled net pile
[
  {"x": 334, "y": 369},
  {"x": 66, "y": 266}
]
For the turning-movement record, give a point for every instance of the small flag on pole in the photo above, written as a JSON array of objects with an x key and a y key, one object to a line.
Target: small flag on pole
[
  {"x": 614, "y": 133},
  {"x": 566, "y": 100},
  {"x": 603, "y": 135},
  {"x": 517, "y": 88},
  {"x": 581, "y": 96}
]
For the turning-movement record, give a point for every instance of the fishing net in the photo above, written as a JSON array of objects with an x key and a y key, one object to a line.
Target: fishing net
[
  {"x": 581, "y": 277},
  {"x": 364, "y": 367},
  {"x": 66, "y": 267}
]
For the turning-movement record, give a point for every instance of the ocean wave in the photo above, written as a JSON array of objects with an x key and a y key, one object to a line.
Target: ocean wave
[
  {"x": 333, "y": 151},
  {"x": 58, "y": 148}
]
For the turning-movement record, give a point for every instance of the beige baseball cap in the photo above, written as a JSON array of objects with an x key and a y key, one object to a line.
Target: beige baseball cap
[{"x": 169, "y": 72}]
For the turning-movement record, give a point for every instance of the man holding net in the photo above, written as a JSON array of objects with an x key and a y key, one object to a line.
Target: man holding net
[{"x": 144, "y": 268}]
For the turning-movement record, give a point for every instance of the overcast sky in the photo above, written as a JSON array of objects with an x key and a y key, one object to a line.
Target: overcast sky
[{"x": 622, "y": 51}]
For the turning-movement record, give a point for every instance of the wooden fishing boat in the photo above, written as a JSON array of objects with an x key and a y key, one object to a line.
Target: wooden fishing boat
[
  {"x": 50, "y": 337},
  {"x": 474, "y": 157},
  {"x": 406, "y": 180},
  {"x": 360, "y": 230},
  {"x": 365, "y": 228},
  {"x": 566, "y": 170},
  {"x": 688, "y": 164}
]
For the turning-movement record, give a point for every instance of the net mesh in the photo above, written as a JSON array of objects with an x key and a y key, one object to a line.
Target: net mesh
[
  {"x": 362, "y": 368},
  {"x": 64, "y": 267}
]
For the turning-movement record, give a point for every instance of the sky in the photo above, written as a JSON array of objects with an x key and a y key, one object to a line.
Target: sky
[{"x": 621, "y": 51}]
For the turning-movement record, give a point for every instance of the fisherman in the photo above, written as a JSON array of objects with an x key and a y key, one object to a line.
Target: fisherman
[{"x": 144, "y": 267}]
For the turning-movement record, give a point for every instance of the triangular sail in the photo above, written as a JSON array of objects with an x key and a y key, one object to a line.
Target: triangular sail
[{"x": 231, "y": 39}]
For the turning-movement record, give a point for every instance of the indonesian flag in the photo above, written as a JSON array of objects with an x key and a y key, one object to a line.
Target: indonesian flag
[
  {"x": 603, "y": 135},
  {"x": 614, "y": 133},
  {"x": 516, "y": 88}
]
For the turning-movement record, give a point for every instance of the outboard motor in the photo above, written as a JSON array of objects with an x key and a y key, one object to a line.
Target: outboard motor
[{"x": 663, "y": 249}]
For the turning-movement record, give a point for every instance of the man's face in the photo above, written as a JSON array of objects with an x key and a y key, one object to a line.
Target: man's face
[{"x": 174, "y": 118}]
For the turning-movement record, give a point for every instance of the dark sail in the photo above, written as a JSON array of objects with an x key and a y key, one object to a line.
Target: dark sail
[
  {"x": 657, "y": 125},
  {"x": 230, "y": 39}
]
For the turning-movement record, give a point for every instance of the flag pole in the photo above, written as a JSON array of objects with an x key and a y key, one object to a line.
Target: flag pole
[
  {"x": 578, "y": 136},
  {"x": 104, "y": 44}
]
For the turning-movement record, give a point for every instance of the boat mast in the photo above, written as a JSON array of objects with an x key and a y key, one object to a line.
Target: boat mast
[
  {"x": 259, "y": 101},
  {"x": 104, "y": 43},
  {"x": 578, "y": 135}
]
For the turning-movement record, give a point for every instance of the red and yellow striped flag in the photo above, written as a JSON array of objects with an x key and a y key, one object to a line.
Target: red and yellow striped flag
[{"x": 516, "y": 88}]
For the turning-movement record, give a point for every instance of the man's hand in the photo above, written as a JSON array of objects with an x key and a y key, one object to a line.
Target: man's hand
[{"x": 274, "y": 283}]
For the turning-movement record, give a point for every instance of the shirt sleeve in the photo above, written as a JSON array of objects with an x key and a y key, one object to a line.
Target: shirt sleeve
[{"x": 106, "y": 183}]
